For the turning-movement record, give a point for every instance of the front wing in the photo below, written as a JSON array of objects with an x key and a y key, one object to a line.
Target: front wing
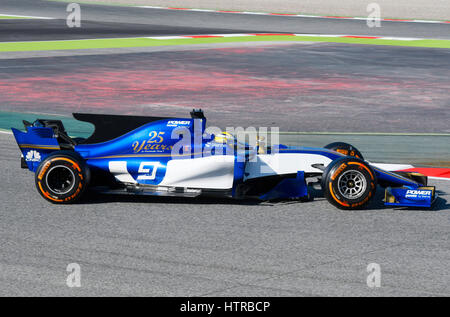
[{"x": 407, "y": 197}]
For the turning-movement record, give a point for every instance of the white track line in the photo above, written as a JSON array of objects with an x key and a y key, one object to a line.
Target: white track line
[
  {"x": 392, "y": 167},
  {"x": 295, "y": 15},
  {"x": 369, "y": 37},
  {"x": 25, "y": 16},
  {"x": 238, "y": 35},
  {"x": 439, "y": 178}
]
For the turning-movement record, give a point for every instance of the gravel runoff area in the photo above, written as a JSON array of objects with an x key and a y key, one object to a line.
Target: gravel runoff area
[{"x": 406, "y": 9}]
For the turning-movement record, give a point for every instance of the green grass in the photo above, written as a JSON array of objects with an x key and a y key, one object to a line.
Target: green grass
[
  {"x": 5, "y": 17},
  {"x": 145, "y": 42}
]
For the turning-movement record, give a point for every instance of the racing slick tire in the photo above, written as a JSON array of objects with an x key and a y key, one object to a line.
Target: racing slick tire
[
  {"x": 62, "y": 177},
  {"x": 344, "y": 148},
  {"x": 349, "y": 183}
]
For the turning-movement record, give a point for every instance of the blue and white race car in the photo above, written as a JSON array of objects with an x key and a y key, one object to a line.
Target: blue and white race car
[{"x": 177, "y": 157}]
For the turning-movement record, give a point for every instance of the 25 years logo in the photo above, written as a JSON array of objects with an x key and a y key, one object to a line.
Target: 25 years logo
[{"x": 153, "y": 144}]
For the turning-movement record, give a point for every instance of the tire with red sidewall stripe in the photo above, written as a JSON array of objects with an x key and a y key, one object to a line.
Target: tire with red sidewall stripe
[
  {"x": 349, "y": 183},
  {"x": 62, "y": 177}
]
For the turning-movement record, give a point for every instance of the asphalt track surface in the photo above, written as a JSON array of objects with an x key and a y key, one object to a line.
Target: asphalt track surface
[
  {"x": 202, "y": 247},
  {"x": 46, "y": 30},
  {"x": 204, "y": 23}
]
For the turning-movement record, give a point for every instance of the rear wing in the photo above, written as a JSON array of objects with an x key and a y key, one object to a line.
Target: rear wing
[{"x": 35, "y": 145}]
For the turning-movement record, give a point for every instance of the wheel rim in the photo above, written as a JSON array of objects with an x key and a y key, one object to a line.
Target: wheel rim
[
  {"x": 60, "y": 180},
  {"x": 352, "y": 184}
]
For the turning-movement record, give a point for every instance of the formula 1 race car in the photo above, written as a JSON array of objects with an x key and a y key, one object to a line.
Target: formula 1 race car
[{"x": 178, "y": 157}]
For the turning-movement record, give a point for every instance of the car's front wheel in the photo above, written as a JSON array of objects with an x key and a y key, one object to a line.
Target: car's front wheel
[
  {"x": 344, "y": 148},
  {"x": 349, "y": 183}
]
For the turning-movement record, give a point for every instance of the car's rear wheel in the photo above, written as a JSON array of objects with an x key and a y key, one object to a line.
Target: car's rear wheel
[
  {"x": 62, "y": 178},
  {"x": 345, "y": 148},
  {"x": 349, "y": 183}
]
